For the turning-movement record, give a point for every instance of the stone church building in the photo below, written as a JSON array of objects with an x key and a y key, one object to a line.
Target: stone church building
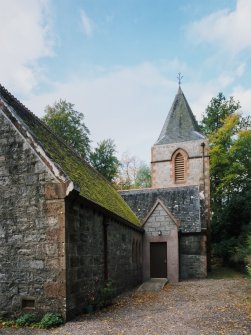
[
  {"x": 175, "y": 211},
  {"x": 65, "y": 231}
]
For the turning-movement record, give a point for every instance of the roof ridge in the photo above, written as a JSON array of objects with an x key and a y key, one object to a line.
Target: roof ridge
[
  {"x": 92, "y": 184},
  {"x": 190, "y": 111},
  {"x": 29, "y": 112},
  {"x": 60, "y": 139}
]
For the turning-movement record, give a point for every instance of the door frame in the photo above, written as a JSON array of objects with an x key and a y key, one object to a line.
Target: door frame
[{"x": 162, "y": 268}]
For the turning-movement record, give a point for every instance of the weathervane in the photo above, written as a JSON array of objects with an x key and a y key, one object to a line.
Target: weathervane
[{"x": 179, "y": 77}]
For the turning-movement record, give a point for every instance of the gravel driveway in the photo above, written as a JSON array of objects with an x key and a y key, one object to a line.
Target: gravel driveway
[{"x": 200, "y": 307}]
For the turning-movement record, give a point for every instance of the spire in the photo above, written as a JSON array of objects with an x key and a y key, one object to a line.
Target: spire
[{"x": 180, "y": 124}]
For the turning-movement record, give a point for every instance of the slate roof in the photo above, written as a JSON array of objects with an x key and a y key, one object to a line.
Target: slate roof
[
  {"x": 92, "y": 185},
  {"x": 183, "y": 203},
  {"x": 180, "y": 124}
]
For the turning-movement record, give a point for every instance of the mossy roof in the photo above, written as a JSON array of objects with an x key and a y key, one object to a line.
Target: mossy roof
[{"x": 93, "y": 186}]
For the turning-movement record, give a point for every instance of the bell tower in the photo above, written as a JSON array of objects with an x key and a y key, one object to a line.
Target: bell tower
[
  {"x": 180, "y": 155},
  {"x": 180, "y": 160}
]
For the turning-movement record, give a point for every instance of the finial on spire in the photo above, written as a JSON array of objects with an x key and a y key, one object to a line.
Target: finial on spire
[{"x": 179, "y": 77}]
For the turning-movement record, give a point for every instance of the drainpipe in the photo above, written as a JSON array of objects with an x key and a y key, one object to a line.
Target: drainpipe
[
  {"x": 203, "y": 163},
  {"x": 207, "y": 218}
]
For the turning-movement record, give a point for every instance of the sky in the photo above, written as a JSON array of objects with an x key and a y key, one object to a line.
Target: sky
[{"x": 117, "y": 61}]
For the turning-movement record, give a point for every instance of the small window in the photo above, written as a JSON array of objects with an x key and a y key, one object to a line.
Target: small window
[
  {"x": 28, "y": 303},
  {"x": 179, "y": 168}
]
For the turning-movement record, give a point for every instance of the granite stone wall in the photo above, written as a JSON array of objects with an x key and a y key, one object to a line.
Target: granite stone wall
[
  {"x": 52, "y": 247},
  {"x": 162, "y": 165},
  {"x": 193, "y": 256},
  {"x": 99, "y": 248},
  {"x": 160, "y": 227},
  {"x": 192, "y": 264},
  {"x": 32, "y": 263},
  {"x": 183, "y": 203},
  {"x": 159, "y": 220}
]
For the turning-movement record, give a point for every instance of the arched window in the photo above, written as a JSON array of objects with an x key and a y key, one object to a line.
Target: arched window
[{"x": 179, "y": 168}]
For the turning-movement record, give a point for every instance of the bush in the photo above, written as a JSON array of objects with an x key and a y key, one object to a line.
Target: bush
[
  {"x": 50, "y": 320},
  {"x": 7, "y": 323},
  {"x": 26, "y": 320}
]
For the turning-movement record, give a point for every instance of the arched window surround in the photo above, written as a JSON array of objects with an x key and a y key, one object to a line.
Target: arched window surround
[{"x": 180, "y": 166}]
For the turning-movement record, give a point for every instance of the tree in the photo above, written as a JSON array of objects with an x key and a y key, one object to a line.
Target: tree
[
  {"x": 230, "y": 175},
  {"x": 143, "y": 177},
  {"x": 216, "y": 112},
  {"x": 104, "y": 160},
  {"x": 69, "y": 124},
  {"x": 133, "y": 173}
]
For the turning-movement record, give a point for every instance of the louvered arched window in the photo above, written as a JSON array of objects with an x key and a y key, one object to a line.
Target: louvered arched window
[{"x": 179, "y": 168}]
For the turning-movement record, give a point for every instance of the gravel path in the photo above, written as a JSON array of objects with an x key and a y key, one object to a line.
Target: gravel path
[{"x": 203, "y": 307}]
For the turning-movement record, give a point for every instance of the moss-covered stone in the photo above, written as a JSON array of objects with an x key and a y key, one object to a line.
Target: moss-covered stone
[{"x": 93, "y": 186}]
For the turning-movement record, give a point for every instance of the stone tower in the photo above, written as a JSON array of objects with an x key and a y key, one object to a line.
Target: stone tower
[
  {"x": 180, "y": 155},
  {"x": 180, "y": 159}
]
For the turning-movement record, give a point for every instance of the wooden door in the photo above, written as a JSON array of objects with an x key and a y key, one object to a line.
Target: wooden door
[{"x": 158, "y": 260}]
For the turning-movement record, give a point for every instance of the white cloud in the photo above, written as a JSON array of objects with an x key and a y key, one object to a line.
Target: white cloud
[
  {"x": 130, "y": 104},
  {"x": 24, "y": 40},
  {"x": 243, "y": 95},
  {"x": 240, "y": 70},
  {"x": 227, "y": 29},
  {"x": 199, "y": 94},
  {"x": 87, "y": 24},
  {"x": 127, "y": 104}
]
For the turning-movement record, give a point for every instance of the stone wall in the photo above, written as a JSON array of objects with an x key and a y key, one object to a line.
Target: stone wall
[
  {"x": 162, "y": 164},
  {"x": 32, "y": 276},
  {"x": 160, "y": 227},
  {"x": 196, "y": 173},
  {"x": 159, "y": 220},
  {"x": 193, "y": 256},
  {"x": 99, "y": 248},
  {"x": 183, "y": 202}
]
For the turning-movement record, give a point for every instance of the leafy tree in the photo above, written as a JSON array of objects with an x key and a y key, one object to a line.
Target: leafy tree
[
  {"x": 216, "y": 112},
  {"x": 230, "y": 170},
  {"x": 104, "y": 160},
  {"x": 143, "y": 177},
  {"x": 69, "y": 124}
]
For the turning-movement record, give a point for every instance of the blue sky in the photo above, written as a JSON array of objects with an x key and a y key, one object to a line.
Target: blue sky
[{"x": 117, "y": 60}]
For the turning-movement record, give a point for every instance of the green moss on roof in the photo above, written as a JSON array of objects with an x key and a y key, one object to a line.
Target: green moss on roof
[{"x": 92, "y": 185}]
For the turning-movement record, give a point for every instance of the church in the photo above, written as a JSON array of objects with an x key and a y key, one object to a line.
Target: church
[
  {"x": 175, "y": 211},
  {"x": 65, "y": 231}
]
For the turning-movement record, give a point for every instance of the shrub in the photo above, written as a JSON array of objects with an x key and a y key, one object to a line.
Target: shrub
[
  {"x": 7, "y": 323},
  {"x": 26, "y": 320},
  {"x": 50, "y": 320}
]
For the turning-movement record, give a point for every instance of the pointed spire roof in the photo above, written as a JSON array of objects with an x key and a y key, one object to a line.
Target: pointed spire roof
[{"x": 180, "y": 124}]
